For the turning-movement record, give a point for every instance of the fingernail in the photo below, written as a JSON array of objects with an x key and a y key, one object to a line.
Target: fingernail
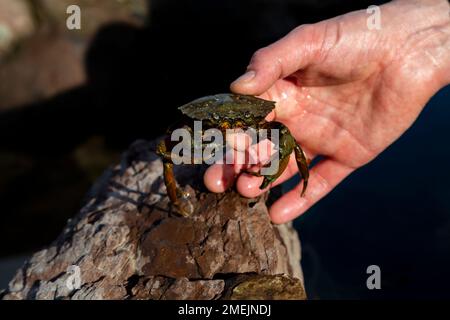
[{"x": 246, "y": 77}]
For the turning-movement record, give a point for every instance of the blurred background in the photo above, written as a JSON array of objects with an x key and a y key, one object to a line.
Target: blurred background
[{"x": 72, "y": 100}]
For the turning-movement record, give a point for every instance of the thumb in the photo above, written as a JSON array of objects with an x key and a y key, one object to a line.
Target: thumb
[{"x": 279, "y": 60}]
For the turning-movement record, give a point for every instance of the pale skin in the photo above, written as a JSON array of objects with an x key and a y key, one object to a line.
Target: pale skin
[{"x": 345, "y": 92}]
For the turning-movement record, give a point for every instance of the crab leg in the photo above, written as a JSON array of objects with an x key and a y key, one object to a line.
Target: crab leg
[
  {"x": 177, "y": 197},
  {"x": 281, "y": 167},
  {"x": 169, "y": 177},
  {"x": 166, "y": 155},
  {"x": 302, "y": 164}
]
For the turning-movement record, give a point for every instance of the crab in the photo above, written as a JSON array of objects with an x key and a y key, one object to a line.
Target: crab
[{"x": 230, "y": 111}]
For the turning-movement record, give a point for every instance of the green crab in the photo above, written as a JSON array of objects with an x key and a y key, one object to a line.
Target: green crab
[{"x": 231, "y": 111}]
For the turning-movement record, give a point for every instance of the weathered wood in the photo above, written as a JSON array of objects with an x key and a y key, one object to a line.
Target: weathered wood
[{"x": 126, "y": 244}]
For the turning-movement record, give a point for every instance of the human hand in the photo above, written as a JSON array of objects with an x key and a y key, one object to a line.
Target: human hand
[{"x": 345, "y": 92}]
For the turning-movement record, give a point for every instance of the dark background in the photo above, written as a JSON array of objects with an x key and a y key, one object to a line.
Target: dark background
[{"x": 394, "y": 212}]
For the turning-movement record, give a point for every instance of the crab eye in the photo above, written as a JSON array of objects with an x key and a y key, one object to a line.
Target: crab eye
[
  {"x": 215, "y": 116},
  {"x": 247, "y": 114}
]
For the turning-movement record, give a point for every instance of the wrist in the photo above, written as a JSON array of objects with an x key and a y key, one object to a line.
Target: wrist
[
  {"x": 425, "y": 25},
  {"x": 415, "y": 15},
  {"x": 445, "y": 70}
]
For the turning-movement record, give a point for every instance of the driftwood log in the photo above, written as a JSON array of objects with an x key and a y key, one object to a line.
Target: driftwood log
[{"x": 125, "y": 243}]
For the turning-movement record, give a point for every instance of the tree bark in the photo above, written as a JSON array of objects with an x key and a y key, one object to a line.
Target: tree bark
[{"x": 125, "y": 243}]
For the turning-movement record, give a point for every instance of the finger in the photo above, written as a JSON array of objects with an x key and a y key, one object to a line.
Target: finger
[
  {"x": 238, "y": 139},
  {"x": 219, "y": 177},
  {"x": 240, "y": 156},
  {"x": 278, "y": 60},
  {"x": 323, "y": 178},
  {"x": 260, "y": 153},
  {"x": 248, "y": 185}
]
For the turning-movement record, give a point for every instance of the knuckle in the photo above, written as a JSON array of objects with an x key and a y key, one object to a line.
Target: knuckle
[
  {"x": 322, "y": 186},
  {"x": 302, "y": 29},
  {"x": 260, "y": 55}
]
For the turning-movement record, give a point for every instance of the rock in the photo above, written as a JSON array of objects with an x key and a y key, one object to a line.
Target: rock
[
  {"x": 125, "y": 243},
  {"x": 267, "y": 287},
  {"x": 162, "y": 288}
]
